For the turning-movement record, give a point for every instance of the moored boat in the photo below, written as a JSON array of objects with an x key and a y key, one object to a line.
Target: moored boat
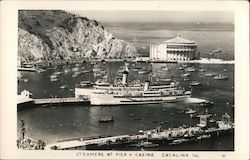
[
  {"x": 146, "y": 144},
  {"x": 85, "y": 83},
  {"x": 220, "y": 77},
  {"x": 166, "y": 79},
  {"x": 106, "y": 119},
  {"x": 190, "y": 69},
  {"x": 185, "y": 75},
  {"x": 209, "y": 74},
  {"x": 190, "y": 111},
  {"x": 195, "y": 83},
  {"x": 53, "y": 79},
  {"x": 143, "y": 72},
  {"x": 53, "y": 76},
  {"x": 57, "y": 73}
]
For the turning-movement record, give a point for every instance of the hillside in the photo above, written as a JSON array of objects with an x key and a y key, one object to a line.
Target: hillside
[{"x": 55, "y": 34}]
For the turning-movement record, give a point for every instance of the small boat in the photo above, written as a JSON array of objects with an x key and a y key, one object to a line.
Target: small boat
[
  {"x": 146, "y": 144},
  {"x": 137, "y": 119},
  {"x": 136, "y": 69},
  {"x": 217, "y": 51},
  {"x": 190, "y": 69},
  {"x": 40, "y": 70},
  {"x": 204, "y": 136},
  {"x": 143, "y": 72},
  {"x": 209, "y": 74},
  {"x": 106, "y": 119},
  {"x": 53, "y": 76},
  {"x": 165, "y": 79},
  {"x": 85, "y": 83},
  {"x": 190, "y": 111},
  {"x": 181, "y": 68},
  {"x": 186, "y": 79},
  {"x": 202, "y": 70},
  {"x": 220, "y": 77},
  {"x": 184, "y": 65},
  {"x": 25, "y": 80},
  {"x": 185, "y": 75},
  {"x": 76, "y": 69},
  {"x": 131, "y": 115},
  {"x": 63, "y": 87},
  {"x": 164, "y": 69},
  {"x": 96, "y": 69},
  {"x": 76, "y": 74},
  {"x": 57, "y": 73},
  {"x": 178, "y": 141},
  {"x": 85, "y": 71},
  {"x": 203, "y": 115},
  {"x": 206, "y": 103},
  {"x": 195, "y": 83},
  {"x": 53, "y": 79},
  {"x": 66, "y": 70}
]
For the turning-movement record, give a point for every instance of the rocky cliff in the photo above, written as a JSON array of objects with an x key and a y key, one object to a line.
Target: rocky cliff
[{"x": 49, "y": 35}]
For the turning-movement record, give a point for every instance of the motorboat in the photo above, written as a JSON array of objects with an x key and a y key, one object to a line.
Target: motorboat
[
  {"x": 195, "y": 83},
  {"x": 190, "y": 111},
  {"x": 209, "y": 74},
  {"x": 185, "y": 74},
  {"x": 106, "y": 119},
  {"x": 220, "y": 77}
]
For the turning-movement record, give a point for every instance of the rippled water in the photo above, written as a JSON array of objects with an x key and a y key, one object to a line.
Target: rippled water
[{"x": 65, "y": 122}]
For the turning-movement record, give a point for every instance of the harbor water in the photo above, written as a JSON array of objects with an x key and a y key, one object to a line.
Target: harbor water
[{"x": 56, "y": 123}]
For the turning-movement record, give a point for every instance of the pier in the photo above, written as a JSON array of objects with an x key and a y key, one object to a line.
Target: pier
[
  {"x": 154, "y": 137},
  {"x": 25, "y": 100},
  {"x": 58, "y": 101}
]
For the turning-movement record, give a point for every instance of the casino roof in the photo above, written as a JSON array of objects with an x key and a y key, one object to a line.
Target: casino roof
[{"x": 179, "y": 39}]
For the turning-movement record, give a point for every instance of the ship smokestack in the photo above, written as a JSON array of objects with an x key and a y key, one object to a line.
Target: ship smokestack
[
  {"x": 124, "y": 77},
  {"x": 146, "y": 85}
]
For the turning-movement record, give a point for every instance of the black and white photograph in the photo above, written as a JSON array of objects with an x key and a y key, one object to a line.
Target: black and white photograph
[{"x": 126, "y": 80}]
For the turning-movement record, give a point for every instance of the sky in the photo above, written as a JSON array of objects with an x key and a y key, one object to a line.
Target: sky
[{"x": 158, "y": 16}]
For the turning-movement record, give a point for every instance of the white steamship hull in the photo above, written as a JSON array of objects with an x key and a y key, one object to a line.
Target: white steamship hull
[{"x": 111, "y": 99}]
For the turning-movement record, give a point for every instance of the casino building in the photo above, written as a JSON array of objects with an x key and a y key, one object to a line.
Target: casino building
[{"x": 176, "y": 49}]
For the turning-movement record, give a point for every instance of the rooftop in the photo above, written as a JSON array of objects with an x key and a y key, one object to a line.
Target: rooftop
[{"x": 178, "y": 39}]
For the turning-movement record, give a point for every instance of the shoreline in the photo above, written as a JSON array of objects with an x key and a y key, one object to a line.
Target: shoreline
[
  {"x": 200, "y": 61},
  {"x": 209, "y": 61}
]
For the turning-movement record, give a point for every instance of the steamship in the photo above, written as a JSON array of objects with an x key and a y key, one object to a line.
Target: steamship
[{"x": 124, "y": 93}]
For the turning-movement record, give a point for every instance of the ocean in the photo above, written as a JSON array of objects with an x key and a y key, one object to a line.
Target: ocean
[
  {"x": 208, "y": 36},
  {"x": 55, "y": 123}
]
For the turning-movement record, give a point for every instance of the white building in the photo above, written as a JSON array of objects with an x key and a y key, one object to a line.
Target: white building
[{"x": 176, "y": 49}]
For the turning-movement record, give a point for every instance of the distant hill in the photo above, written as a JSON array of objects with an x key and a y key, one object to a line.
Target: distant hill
[{"x": 55, "y": 34}]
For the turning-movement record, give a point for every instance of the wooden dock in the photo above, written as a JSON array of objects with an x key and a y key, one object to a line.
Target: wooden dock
[{"x": 60, "y": 101}]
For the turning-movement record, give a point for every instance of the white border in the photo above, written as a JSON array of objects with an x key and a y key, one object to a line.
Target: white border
[{"x": 8, "y": 73}]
